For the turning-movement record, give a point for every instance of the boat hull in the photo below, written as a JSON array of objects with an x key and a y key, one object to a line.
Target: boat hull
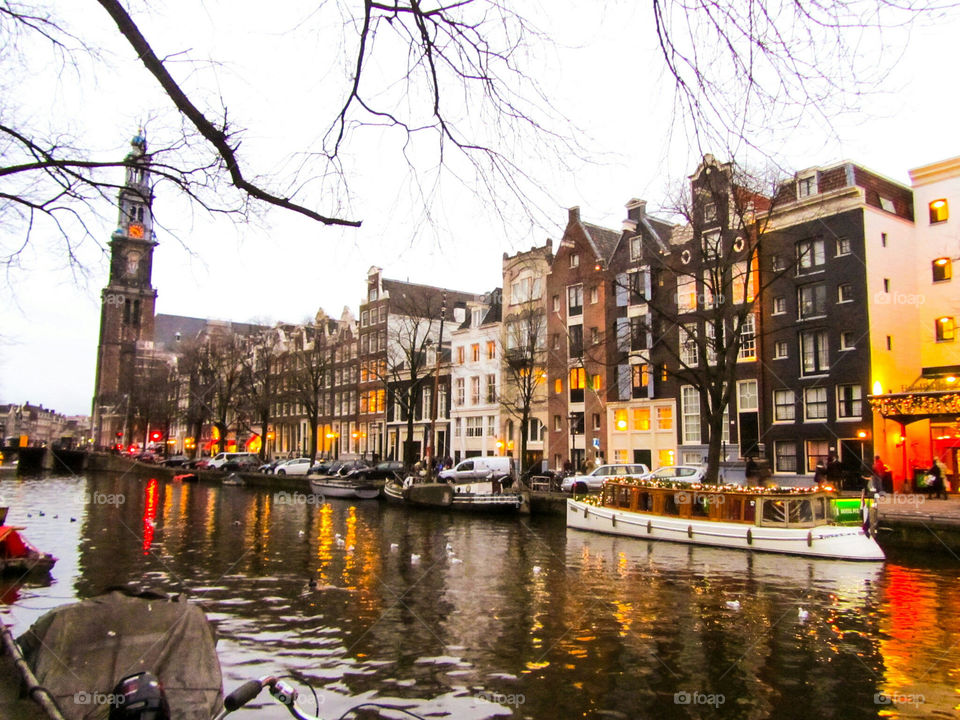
[
  {"x": 824, "y": 541},
  {"x": 446, "y": 497},
  {"x": 329, "y": 488}
]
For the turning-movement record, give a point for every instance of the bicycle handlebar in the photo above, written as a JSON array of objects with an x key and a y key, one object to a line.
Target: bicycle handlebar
[
  {"x": 245, "y": 693},
  {"x": 282, "y": 692}
]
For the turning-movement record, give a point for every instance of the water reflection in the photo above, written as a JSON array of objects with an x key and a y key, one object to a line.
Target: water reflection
[{"x": 487, "y": 617}]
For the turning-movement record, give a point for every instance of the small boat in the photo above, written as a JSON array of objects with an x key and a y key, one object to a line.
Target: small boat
[
  {"x": 334, "y": 486},
  {"x": 185, "y": 477},
  {"x": 482, "y": 496},
  {"x": 19, "y": 556},
  {"x": 233, "y": 479},
  {"x": 796, "y": 521}
]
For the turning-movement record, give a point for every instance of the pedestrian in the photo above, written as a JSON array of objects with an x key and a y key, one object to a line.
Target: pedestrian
[
  {"x": 820, "y": 474},
  {"x": 834, "y": 472},
  {"x": 879, "y": 474},
  {"x": 750, "y": 472},
  {"x": 939, "y": 489}
]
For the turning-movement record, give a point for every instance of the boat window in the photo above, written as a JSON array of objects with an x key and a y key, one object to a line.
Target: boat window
[
  {"x": 774, "y": 512},
  {"x": 750, "y": 511},
  {"x": 701, "y": 505},
  {"x": 645, "y": 502},
  {"x": 670, "y": 504},
  {"x": 732, "y": 507},
  {"x": 801, "y": 511},
  {"x": 819, "y": 511}
]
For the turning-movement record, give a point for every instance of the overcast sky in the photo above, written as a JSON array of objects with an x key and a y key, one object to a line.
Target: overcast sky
[{"x": 603, "y": 74}]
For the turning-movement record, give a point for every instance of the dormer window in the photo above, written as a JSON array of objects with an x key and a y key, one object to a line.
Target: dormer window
[
  {"x": 636, "y": 247},
  {"x": 806, "y": 186}
]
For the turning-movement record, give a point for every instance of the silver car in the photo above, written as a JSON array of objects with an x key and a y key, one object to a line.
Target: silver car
[
  {"x": 677, "y": 473},
  {"x": 594, "y": 481}
]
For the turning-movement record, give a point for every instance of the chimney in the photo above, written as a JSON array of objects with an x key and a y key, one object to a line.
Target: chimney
[
  {"x": 573, "y": 214},
  {"x": 636, "y": 209}
]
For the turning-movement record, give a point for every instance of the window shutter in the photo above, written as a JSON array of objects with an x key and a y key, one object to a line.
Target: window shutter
[
  {"x": 623, "y": 381},
  {"x": 646, "y": 284},
  {"x": 622, "y": 290},
  {"x": 623, "y": 334}
]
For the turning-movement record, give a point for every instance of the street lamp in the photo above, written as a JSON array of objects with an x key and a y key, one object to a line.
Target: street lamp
[{"x": 573, "y": 439}]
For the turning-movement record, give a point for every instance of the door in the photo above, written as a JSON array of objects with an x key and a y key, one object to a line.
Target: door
[{"x": 643, "y": 456}]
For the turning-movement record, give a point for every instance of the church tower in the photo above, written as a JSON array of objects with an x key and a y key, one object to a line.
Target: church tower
[{"x": 127, "y": 303}]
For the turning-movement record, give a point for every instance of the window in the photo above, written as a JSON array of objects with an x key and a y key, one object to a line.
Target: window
[
  {"x": 475, "y": 352},
  {"x": 843, "y": 246},
  {"x": 555, "y": 341},
  {"x": 636, "y": 247},
  {"x": 844, "y": 293},
  {"x": 475, "y": 390},
  {"x": 491, "y": 349},
  {"x": 776, "y": 263},
  {"x": 748, "y": 338},
  {"x": 596, "y": 382},
  {"x": 558, "y": 386},
  {"x": 576, "y": 423},
  {"x": 640, "y": 379},
  {"x": 641, "y": 418},
  {"x": 784, "y": 456},
  {"x": 887, "y": 204},
  {"x": 596, "y": 421},
  {"x": 491, "y": 388},
  {"x": 781, "y": 350},
  {"x": 576, "y": 341},
  {"x": 383, "y": 313},
  {"x": 889, "y": 342},
  {"x": 594, "y": 295},
  {"x": 883, "y": 239},
  {"x": 620, "y": 420},
  {"x": 939, "y": 212},
  {"x": 477, "y": 318},
  {"x": 810, "y": 254},
  {"x": 475, "y": 426},
  {"x": 812, "y": 301},
  {"x": 556, "y": 303},
  {"x": 784, "y": 406},
  {"x": 557, "y": 423},
  {"x": 942, "y": 269},
  {"x": 807, "y": 186},
  {"x": 578, "y": 379},
  {"x": 364, "y": 316},
  {"x": 817, "y": 453},
  {"x": 574, "y": 260},
  {"x": 847, "y": 340},
  {"x": 886, "y": 285},
  {"x": 665, "y": 418},
  {"x": 946, "y": 329},
  {"x": 575, "y": 300},
  {"x": 460, "y": 355},
  {"x": 747, "y": 396},
  {"x": 849, "y": 401},
  {"x": 815, "y": 403},
  {"x": 688, "y": 345},
  {"x": 779, "y": 305},
  {"x": 491, "y": 425},
  {"x": 686, "y": 294},
  {"x": 813, "y": 352},
  {"x": 690, "y": 409}
]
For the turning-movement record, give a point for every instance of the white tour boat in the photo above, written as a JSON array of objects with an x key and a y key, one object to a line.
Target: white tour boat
[{"x": 796, "y": 521}]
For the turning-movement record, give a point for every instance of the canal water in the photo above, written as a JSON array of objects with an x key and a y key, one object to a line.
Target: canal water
[{"x": 472, "y": 617}]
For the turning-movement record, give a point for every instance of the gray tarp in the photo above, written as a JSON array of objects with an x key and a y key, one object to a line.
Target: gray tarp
[{"x": 79, "y": 652}]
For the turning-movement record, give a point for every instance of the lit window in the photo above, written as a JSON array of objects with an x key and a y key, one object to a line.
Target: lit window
[
  {"x": 578, "y": 378},
  {"x": 665, "y": 418},
  {"x": 620, "y": 420},
  {"x": 491, "y": 349},
  {"x": 641, "y": 418},
  {"x": 558, "y": 386},
  {"x": 475, "y": 352},
  {"x": 942, "y": 269},
  {"x": 596, "y": 382},
  {"x": 460, "y": 355},
  {"x": 939, "y": 212},
  {"x": 945, "y": 328}
]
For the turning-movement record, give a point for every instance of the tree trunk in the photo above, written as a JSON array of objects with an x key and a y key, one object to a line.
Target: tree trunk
[
  {"x": 524, "y": 431},
  {"x": 264, "y": 429},
  {"x": 314, "y": 433}
]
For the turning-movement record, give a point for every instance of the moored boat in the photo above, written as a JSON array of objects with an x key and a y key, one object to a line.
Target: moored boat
[
  {"x": 334, "y": 486},
  {"x": 19, "y": 556},
  {"x": 471, "y": 496},
  {"x": 796, "y": 521},
  {"x": 233, "y": 479},
  {"x": 186, "y": 477}
]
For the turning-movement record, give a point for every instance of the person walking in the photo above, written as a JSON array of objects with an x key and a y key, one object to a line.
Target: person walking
[{"x": 939, "y": 489}]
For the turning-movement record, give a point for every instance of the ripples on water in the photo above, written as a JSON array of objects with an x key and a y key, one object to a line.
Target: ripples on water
[{"x": 475, "y": 617}]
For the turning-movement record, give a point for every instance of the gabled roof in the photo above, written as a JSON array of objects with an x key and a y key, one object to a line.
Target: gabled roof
[
  {"x": 602, "y": 240},
  {"x": 424, "y": 297}
]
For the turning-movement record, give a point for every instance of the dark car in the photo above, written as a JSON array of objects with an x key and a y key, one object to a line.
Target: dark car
[
  {"x": 175, "y": 461},
  {"x": 387, "y": 470},
  {"x": 352, "y": 469},
  {"x": 146, "y": 457},
  {"x": 268, "y": 467},
  {"x": 242, "y": 464},
  {"x": 321, "y": 468}
]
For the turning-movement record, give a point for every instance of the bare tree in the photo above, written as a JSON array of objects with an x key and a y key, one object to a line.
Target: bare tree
[
  {"x": 258, "y": 386},
  {"x": 306, "y": 365},
  {"x": 153, "y": 398},
  {"x": 524, "y": 368}
]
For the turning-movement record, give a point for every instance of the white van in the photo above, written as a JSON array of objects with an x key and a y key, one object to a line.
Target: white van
[
  {"x": 488, "y": 467},
  {"x": 220, "y": 459}
]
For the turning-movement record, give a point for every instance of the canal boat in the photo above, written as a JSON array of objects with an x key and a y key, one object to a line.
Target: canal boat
[
  {"x": 796, "y": 521},
  {"x": 186, "y": 477},
  {"x": 17, "y": 555},
  {"x": 335, "y": 486},
  {"x": 482, "y": 496},
  {"x": 233, "y": 479}
]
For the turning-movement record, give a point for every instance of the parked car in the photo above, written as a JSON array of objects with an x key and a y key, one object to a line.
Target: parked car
[
  {"x": 175, "y": 461},
  {"x": 479, "y": 468},
  {"x": 268, "y": 467},
  {"x": 297, "y": 466},
  {"x": 594, "y": 481},
  {"x": 677, "y": 473},
  {"x": 146, "y": 457},
  {"x": 242, "y": 464},
  {"x": 321, "y": 468},
  {"x": 386, "y": 470},
  {"x": 352, "y": 469}
]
